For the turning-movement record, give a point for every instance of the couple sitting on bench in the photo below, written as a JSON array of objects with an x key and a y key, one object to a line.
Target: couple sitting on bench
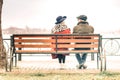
[{"x": 82, "y": 27}]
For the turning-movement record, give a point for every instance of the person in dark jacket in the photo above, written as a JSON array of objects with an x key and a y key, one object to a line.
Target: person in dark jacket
[
  {"x": 82, "y": 27},
  {"x": 61, "y": 28}
]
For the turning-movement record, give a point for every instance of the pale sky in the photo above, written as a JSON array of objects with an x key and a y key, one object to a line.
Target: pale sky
[{"x": 103, "y": 15}]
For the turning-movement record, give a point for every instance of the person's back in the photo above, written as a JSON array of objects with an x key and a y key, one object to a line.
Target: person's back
[
  {"x": 61, "y": 28},
  {"x": 82, "y": 27}
]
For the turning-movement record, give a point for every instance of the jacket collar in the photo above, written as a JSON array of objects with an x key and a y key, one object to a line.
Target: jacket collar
[{"x": 82, "y": 22}]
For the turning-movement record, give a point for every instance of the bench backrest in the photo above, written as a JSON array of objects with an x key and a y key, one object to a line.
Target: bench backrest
[{"x": 55, "y": 43}]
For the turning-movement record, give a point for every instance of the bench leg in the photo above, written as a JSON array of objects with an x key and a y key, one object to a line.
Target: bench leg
[
  {"x": 92, "y": 57},
  {"x": 11, "y": 60},
  {"x": 15, "y": 59},
  {"x": 6, "y": 63},
  {"x": 101, "y": 66},
  {"x": 98, "y": 60},
  {"x": 104, "y": 59},
  {"x": 19, "y": 57}
]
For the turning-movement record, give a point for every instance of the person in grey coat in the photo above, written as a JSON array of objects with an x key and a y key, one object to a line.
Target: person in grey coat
[{"x": 82, "y": 27}]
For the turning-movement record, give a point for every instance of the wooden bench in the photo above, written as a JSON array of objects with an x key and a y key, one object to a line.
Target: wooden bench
[{"x": 49, "y": 43}]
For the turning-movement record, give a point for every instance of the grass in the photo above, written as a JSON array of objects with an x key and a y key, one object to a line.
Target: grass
[{"x": 60, "y": 76}]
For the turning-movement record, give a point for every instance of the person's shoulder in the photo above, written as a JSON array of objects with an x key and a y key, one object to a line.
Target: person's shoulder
[
  {"x": 75, "y": 27},
  {"x": 67, "y": 29},
  {"x": 91, "y": 26}
]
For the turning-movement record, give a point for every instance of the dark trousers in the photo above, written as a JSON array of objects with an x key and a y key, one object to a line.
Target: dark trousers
[
  {"x": 61, "y": 58},
  {"x": 81, "y": 58}
]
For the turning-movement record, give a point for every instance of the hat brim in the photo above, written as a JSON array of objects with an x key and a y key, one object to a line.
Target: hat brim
[
  {"x": 60, "y": 20},
  {"x": 82, "y": 17},
  {"x": 78, "y": 17}
]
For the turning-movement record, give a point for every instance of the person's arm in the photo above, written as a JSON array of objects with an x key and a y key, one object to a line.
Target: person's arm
[
  {"x": 75, "y": 30},
  {"x": 91, "y": 29}
]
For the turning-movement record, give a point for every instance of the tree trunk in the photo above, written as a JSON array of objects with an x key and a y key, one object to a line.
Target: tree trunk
[{"x": 2, "y": 49}]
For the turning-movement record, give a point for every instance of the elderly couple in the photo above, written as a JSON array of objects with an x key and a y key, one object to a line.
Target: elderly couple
[{"x": 81, "y": 27}]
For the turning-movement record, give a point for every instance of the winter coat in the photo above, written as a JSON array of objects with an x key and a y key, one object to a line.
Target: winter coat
[
  {"x": 60, "y": 29},
  {"x": 83, "y": 28}
]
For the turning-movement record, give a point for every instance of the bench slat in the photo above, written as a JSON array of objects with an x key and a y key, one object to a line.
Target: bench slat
[
  {"x": 52, "y": 51},
  {"x": 76, "y": 37},
  {"x": 77, "y": 40},
  {"x": 77, "y": 46},
  {"x": 54, "y": 46},
  {"x": 35, "y": 51},
  {"x": 79, "y": 51},
  {"x": 30, "y": 36},
  {"x": 33, "y": 45},
  {"x": 34, "y": 40},
  {"x": 53, "y": 40}
]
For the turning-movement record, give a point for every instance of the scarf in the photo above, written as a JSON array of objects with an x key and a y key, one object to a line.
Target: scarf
[{"x": 58, "y": 28}]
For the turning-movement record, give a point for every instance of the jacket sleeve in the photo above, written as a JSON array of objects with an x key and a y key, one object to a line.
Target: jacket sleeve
[
  {"x": 92, "y": 29},
  {"x": 75, "y": 30}
]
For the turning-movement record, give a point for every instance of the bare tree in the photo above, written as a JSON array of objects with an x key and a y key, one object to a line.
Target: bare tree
[{"x": 2, "y": 52}]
